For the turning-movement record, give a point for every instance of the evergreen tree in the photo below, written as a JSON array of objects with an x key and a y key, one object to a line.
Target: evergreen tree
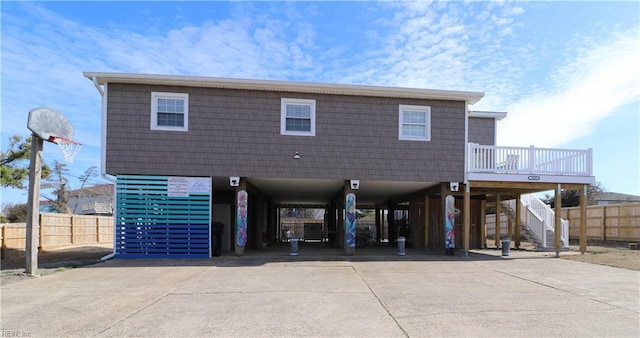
[{"x": 14, "y": 169}]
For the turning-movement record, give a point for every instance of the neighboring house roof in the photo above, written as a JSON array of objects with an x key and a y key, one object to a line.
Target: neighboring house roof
[
  {"x": 615, "y": 197},
  {"x": 97, "y": 199},
  {"x": 98, "y": 189},
  {"x": 100, "y": 78}
]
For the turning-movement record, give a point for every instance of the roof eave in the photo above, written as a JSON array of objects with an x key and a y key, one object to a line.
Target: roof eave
[
  {"x": 488, "y": 114},
  {"x": 272, "y": 85}
]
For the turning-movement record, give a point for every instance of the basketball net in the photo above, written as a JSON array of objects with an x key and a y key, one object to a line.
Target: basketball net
[{"x": 68, "y": 147}]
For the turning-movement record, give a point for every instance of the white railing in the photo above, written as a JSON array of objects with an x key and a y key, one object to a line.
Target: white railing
[
  {"x": 529, "y": 160},
  {"x": 539, "y": 217}
]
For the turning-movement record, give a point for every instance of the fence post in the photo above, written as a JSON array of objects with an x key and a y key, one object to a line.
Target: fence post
[
  {"x": 98, "y": 229},
  {"x": 604, "y": 223},
  {"x": 40, "y": 232},
  {"x": 4, "y": 241},
  {"x": 73, "y": 232}
]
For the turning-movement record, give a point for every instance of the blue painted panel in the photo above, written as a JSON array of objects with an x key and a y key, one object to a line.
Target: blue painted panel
[{"x": 151, "y": 224}]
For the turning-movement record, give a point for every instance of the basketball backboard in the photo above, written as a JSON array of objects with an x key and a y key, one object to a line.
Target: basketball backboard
[{"x": 48, "y": 122}]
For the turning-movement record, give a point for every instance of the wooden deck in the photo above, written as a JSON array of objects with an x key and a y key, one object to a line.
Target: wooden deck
[{"x": 529, "y": 164}]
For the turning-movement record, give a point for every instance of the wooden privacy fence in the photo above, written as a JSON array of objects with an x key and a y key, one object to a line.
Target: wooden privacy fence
[
  {"x": 615, "y": 222},
  {"x": 59, "y": 230}
]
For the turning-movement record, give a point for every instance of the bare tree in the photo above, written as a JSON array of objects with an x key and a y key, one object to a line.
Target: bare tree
[
  {"x": 59, "y": 183},
  {"x": 88, "y": 175},
  {"x": 571, "y": 198}
]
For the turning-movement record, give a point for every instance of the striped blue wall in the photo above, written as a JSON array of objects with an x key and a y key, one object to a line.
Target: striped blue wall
[{"x": 151, "y": 224}]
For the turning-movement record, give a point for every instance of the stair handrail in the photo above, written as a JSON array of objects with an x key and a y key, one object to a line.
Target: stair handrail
[
  {"x": 548, "y": 215},
  {"x": 531, "y": 220}
]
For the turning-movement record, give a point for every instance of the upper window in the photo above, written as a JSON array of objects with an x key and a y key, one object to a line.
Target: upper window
[
  {"x": 298, "y": 117},
  {"x": 415, "y": 123},
  {"x": 169, "y": 111}
]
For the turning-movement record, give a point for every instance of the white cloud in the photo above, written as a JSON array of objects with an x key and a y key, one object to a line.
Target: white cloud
[{"x": 605, "y": 76}]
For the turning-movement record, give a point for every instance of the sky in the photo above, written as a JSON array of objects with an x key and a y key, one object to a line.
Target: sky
[{"x": 567, "y": 73}]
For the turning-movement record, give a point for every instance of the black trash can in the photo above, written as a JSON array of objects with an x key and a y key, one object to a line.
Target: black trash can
[{"x": 217, "y": 231}]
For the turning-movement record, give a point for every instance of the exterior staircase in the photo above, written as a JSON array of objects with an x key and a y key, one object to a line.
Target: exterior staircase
[{"x": 537, "y": 222}]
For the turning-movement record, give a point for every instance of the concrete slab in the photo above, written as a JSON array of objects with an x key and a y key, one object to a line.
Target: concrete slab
[{"x": 525, "y": 294}]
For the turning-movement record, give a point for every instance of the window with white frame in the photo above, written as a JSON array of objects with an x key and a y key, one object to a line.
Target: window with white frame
[
  {"x": 414, "y": 123},
  {"x": 298, "y": 117},
  {"x": 169, "y": 111}
]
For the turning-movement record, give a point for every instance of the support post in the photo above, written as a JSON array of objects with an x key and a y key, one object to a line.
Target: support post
[
  {"x": 33, "y": 227},
  {"x": 518, "y": 220},
  {"x": 483, "y": 223},
  {"x": 242, "y": 206},
  {"x": 558, "y": 219},
  {"x": 378, "y": 225},
  {"x": 583, "y": 219},
  {"x": 426, "y": 222},
  {"x": 392, "y": 232},
  {"x": 466, "y": 218},
  {"x": 498, "y": 223},
  {"x": 350, "y": 221},
  {"x": 445, "y": 189}
]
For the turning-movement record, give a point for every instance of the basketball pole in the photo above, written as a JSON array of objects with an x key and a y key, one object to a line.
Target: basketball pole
[{"x": 33, "y": 212}]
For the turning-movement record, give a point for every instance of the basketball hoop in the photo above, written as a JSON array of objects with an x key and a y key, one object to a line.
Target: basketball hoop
[{"x": 69, "y": 148}]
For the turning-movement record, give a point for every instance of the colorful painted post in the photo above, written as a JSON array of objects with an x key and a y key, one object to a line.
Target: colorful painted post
[
  {"x": 449, "y": 226},
  {"x": 350, "y": 224},
  {"x": 241, "y": 222}
]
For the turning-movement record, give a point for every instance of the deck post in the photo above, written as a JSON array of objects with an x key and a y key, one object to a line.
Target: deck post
[
  {"x": 518, "y": 221},
  {"x": 532, "y": 159},
  {"x": 558, "y": 219},
  {"x": 583, "y": 219},
  {"x": 498, "y": 212},
  {"x": 466, "y": 213},
  {"x": 483, "y": 223}
]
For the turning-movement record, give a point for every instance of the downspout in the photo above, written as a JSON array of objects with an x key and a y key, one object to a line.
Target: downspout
[{"x": 103, "y": 154}]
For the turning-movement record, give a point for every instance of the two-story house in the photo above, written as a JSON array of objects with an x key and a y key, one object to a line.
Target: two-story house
[{"x": 187, "y": 151}]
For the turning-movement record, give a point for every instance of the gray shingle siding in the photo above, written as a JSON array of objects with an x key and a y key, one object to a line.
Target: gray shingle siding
[
  {"x": 237, "y": 133},
  {"x": 482, "y": 130}
]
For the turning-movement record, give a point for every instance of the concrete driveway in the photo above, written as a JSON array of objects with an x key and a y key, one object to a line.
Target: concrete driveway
[{"x": 419, "y": 295}]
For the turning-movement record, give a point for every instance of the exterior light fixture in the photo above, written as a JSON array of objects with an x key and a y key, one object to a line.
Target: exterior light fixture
[{"x": 296, "y": 156}]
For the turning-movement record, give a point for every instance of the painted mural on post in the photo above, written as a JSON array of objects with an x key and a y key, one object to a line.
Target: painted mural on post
[
  {"x": 449, "y": 228},
  {"x": 350, "y": 228},
  {"x": 241, "y": 219}
]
